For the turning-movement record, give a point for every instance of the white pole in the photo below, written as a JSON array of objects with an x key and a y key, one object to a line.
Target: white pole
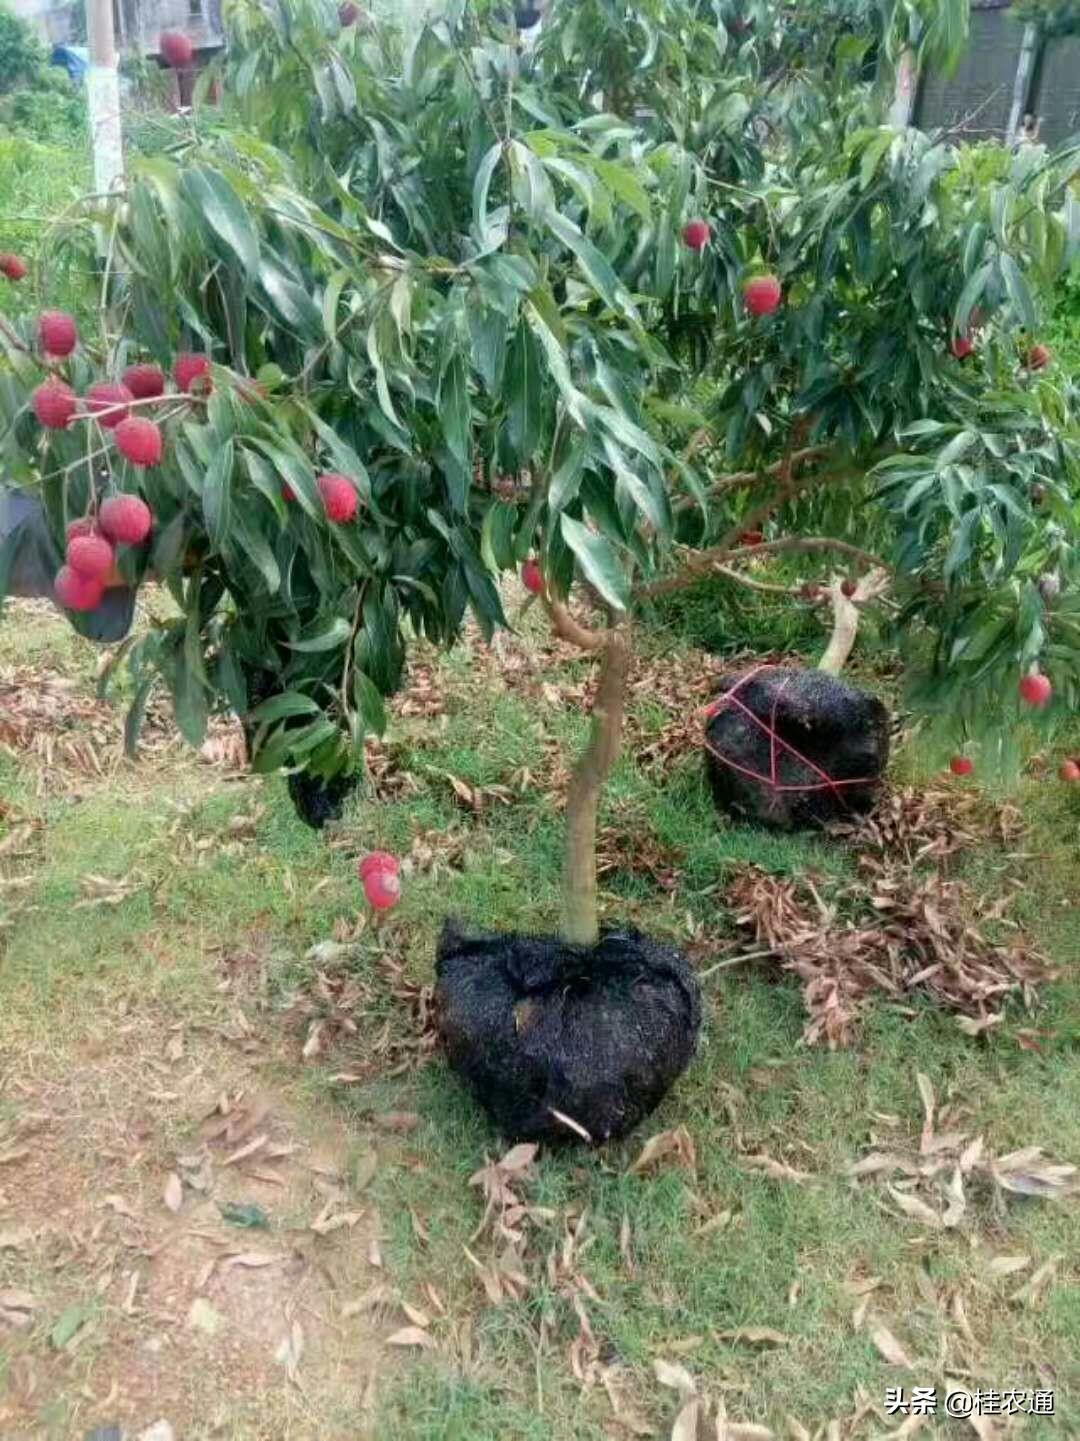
[
  {"x": 103, "y": 96},
  {"x": 1022, "y": 81}
]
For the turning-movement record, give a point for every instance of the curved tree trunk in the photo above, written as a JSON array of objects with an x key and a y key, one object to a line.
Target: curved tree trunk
[{"x": 580, "y": 918}]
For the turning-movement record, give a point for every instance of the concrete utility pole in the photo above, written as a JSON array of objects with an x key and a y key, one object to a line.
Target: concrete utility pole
[
  {"x": 103, "y": 96},
  {"x": 1022, "y": 83}
]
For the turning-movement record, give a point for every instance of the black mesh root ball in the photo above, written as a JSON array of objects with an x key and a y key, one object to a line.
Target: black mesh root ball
[
  {"x": 794, "y": 748},
  {"x": 541, "y": 1030}
]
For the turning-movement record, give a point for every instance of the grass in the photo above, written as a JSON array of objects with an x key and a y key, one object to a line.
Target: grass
[{"x": 781, "y": 1261}]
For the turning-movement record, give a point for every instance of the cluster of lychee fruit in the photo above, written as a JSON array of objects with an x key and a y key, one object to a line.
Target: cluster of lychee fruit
[
  {"x": 761, "y": 295},
  {"x": 90, "y": 561},
  {"x": 138, "y": 439}
]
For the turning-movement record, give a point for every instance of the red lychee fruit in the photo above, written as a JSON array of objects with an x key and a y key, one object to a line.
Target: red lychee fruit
[
  {"x": 1070, "y": 771},
  {"x": 145, "y": 381},
  {"x": 1036, "y": 689},
  {"x": 12, "y": 266},
  {"x": 176, "y": 48},
  {"x": 91, "y": 555},
  {"x": 961, "y": 765},
  {"x": 339, "y": 497},
  {"x": 77, "y": 592},
  {"x": 54, "y": 403},
  {"x": 57, "y": 332},
  {"x": 697, "y": 234},
  {"x": 288, "y": 495},
  {"x": 139, "y": 440},
  {"x": 348, "y": 14},
  {"x": 752, "y": 537},
  {"x": 763, "y": 294},
  {"x": 375, "y": 861},
  {"x": 84, "y": 525},
  {"x": 109, "y": 401},
  {"x": 126, "y": 519},
  {"x": 962, "y": 346},
  {"x": 380, "y": 873},
  {"x": 847, "y": 587},
  {"x": 192, "y": 372},
  {"x": 1038, "y": 357},
  {"x": 532, "y": 577}
]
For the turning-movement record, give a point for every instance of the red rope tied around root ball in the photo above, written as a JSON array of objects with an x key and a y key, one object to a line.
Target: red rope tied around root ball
[{"x": 776, "y": 743}]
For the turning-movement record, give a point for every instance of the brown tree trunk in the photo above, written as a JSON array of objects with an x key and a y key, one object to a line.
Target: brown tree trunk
[{"x": 580, "y": 917}]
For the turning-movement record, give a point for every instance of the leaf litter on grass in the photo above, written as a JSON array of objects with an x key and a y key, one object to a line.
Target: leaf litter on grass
[{"x": 897, "y": 929}]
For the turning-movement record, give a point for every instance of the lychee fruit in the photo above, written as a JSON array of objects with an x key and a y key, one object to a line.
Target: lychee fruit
[
  {"x": 288, "y": 495},
  {"x": 696, "y": 234},
  {"x": 380, "y": 873},
  {"x": 125, "y": 519},
  {"x": 847, "y": 587},
  {"x": 348, "y": 14},
  {"x": 1069, "y": 771},
  {"x": 109, "y": 401},
  {"x": 12, "y": 266},
  {"x": 192, "y": 372},
  {"x": 90, "y": 555},
  {"x": 77, "y": 592},
  {"x": 139, "y": 440},
  {"x": 763, "y": 294},
  {"x": 1036, "y": 689},
  {"x": 57, "y": 332},
  {"x": 145, "y": 381},
  {"x": 532, "y": 577},
  {"x": 752, "y": 537},
  {"x": 176, "y": 48},
  {"x": 962, "y": 346},
  {"x": 339, "y": 496},
  {"x": 84, "y": 525},
  {"x": 961, "y": 765},
  {"x": 1038, "y": 357},
  {"x": 375, "y": 861},
  {"x": 54, "y": 404}
]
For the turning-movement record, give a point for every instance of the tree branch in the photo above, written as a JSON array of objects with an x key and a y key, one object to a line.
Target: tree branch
[
  {"x": 706, "y": 561},
  {"x": 846, "y": 617}
]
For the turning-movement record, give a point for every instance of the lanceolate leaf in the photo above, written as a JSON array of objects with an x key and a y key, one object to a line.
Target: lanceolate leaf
[{"x": 598, "y": 561}]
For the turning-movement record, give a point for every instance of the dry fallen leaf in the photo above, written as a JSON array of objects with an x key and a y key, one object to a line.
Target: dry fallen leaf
[
  {"x": 916, "y": 1209},
  {"x": 755, "y": 1336},
  {"x": 675, "y": 1146},
  {"x": 15, "y": 1238},
  {"x": 686, "y": 1423},
  {"x": 250, "y": 1259},
  {"x": 400, "y": 1122},
  {"x": 1028, "y": 1294},
  {"x": 1007, "y": 1265},
  {"x": 677, "y": 1377},
  {"x": 889, "y": 1346},
  {"x": 775, "y": 1170},
  {"x": 411, "y": 1336},
  {"x": 174, "y": 1192}
]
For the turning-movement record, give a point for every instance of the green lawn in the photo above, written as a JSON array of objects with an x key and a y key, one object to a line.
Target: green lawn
[{"x": 782, "y": 1251}]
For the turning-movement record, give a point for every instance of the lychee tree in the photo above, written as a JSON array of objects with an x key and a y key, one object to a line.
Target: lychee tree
[{"x": 416, "y": 310}]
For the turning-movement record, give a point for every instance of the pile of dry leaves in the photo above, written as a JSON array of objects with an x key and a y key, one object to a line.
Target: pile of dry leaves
[{"x": 899, "y": 927}]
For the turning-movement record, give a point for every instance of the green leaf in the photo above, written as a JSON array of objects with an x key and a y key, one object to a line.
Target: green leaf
[
  {"x": 217, "y": 494},
  {"x": 497, "y": 537},
  {"x": 215, "y": 201},
  {"x": 1019, "y": 293},
  {"x": 369, "y": 702},
  {"x": 596, "y": 266},
  {"x": 71, "y": 1320},
  {"x": 330, "y": 637},
  {"x": 248, "y": 1215},
  {"x": 288, "y": 703},
  {"x": 454, "y": 409},
  {"x": 524, "y": 383},
  {"x": 598, "y": 561},
  {"x": 958, "y": 446},
  {"x": 136, "y": 714}
]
